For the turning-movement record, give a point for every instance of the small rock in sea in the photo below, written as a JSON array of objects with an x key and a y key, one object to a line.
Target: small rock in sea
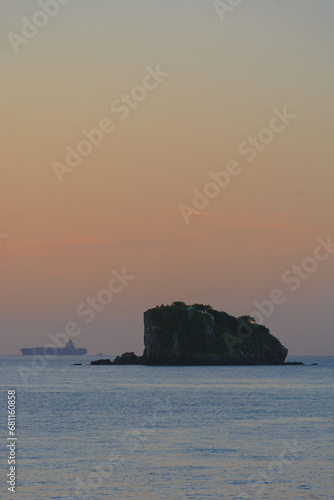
[
  {"x": 128, "y": 358},
  {"x": 77, "y": 364},
  {"x": 101, "y": 362},
  {"x": 294, "y": 363}
]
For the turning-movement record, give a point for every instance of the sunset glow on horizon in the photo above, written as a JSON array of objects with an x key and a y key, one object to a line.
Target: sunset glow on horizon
[{"x": 194, "y": 153}]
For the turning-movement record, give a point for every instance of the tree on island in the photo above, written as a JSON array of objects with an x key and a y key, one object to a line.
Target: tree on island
[{"x": 202, "y": 307}]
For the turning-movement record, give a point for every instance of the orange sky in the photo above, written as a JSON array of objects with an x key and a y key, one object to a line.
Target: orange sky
[{"x": 119, "y": 208}]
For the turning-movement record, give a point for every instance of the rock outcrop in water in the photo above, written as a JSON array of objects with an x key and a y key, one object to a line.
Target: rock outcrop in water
[{"x": 198, "y": 335}]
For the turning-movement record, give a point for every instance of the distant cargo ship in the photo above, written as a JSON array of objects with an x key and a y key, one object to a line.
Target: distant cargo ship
[{"x": 68, "y": 350}]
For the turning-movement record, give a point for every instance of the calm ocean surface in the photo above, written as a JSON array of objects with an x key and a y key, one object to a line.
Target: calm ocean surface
[{"x": 99, "y": 432}]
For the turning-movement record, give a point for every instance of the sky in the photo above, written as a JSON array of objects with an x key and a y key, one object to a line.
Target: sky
[{"x": 185, "y": 145}]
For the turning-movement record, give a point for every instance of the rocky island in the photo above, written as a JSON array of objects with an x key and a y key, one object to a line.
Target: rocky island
[{"x": 179, "y": 334}]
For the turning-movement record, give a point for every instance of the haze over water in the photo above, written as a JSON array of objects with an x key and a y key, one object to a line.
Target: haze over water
[{"x": 119, "y": 207}]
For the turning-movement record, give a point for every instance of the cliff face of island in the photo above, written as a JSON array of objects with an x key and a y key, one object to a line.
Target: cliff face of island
[{"x": 198, "y": 335}]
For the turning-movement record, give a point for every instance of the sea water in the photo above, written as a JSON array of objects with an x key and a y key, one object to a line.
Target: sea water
[{"x": 140, "y": 432}]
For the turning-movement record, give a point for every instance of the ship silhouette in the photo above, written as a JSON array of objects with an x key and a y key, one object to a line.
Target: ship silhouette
[{"x": 68, "y": 350}]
